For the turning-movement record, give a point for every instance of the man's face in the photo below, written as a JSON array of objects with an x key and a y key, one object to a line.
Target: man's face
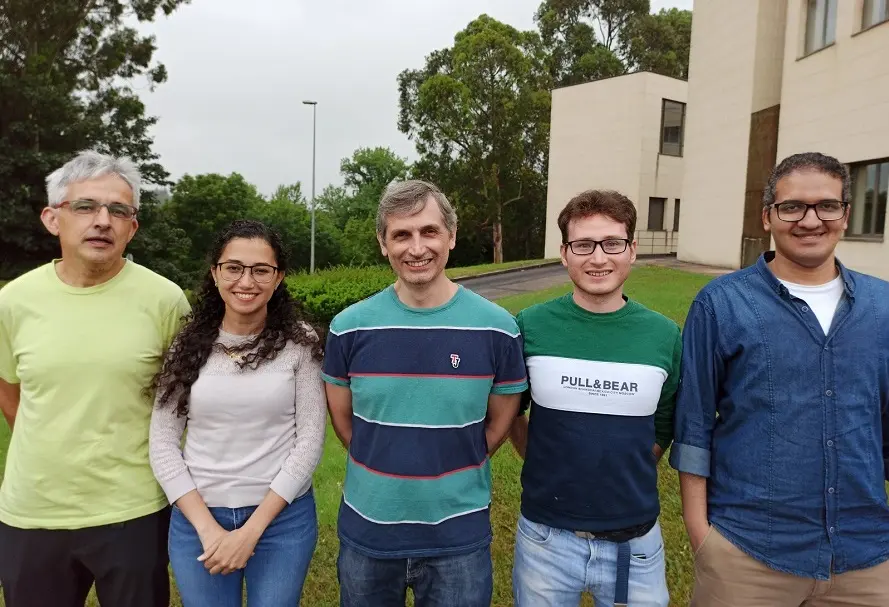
[
  {"x": 598, "y": 274},
  {"x": 809, "y": 242},
  {"x": 99, "y": 238},
  {"x": 418, "y": 245}
]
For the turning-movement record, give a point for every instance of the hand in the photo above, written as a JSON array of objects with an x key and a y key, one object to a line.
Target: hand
[
  {"x": 232, "y": 552},
  {"x": 697, "y": 534},
  {"x": 210, "y": 539}
]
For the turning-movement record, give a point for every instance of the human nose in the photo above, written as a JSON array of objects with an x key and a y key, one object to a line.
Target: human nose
[
  {"x": 810, "y": 219},
  {"x": 102, "y": 217},
  {"x": 246, "y": 280}
]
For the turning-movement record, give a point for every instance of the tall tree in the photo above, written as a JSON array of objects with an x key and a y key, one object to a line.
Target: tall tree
[
  {"x": 365, "y": 176},
  {"x": 482, "y": 108},
  {"x": 65, "y": 72},
  {"x": 659, "y": 43}
]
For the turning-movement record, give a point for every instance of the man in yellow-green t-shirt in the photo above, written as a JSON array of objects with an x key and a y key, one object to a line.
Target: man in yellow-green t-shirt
[{"x": 80, "y": 339}]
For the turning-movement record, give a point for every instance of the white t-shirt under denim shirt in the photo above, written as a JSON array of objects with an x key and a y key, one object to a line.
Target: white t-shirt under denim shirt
[
  {"x": 821, "y": 299},
  {"x": 248, "y": 430}
]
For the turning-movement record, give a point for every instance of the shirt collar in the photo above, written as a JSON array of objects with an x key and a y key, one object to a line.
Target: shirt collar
[{"x": 762, "y": 265}]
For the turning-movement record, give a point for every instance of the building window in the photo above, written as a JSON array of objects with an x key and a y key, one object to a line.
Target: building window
[
  {"x": 656, "y": 214},
  {"x": 672, "y": 127},
  {"x": 676, "y": 216},
  {"x": 875, "y": 11},
  {"x": 870, "y": 188},
  {"x": 821, "y": 24}
]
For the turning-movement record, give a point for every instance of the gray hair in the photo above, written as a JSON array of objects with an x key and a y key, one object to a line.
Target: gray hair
[
  {"x": 409, "y": 197},
  {"x": 87, "y": 165},
  {"x": 808, "y": 161}
]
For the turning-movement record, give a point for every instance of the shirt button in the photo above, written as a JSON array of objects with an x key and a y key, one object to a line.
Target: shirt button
[
  {"x": 831, "y": 529},
  {"x": 805, "y": 308},
  {"x": 829, "y": 393},
  {"x": 830, "y": 490},
  {"x": 830, "y": 443}
]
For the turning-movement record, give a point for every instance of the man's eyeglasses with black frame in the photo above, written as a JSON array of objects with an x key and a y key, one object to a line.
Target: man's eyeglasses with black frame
[
  {"x": 611, "y": 246},
  {"x": 232, "y": 271},
  {"x": 825, "y": 210}
]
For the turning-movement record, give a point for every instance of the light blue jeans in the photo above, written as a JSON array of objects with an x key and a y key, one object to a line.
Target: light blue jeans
[
  {"x": 274, "y": 574},
  {"x": 554, "y": 566}
]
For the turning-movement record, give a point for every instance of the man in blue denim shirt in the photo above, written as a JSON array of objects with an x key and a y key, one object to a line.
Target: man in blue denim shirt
[{"x": 782, "y": 435}]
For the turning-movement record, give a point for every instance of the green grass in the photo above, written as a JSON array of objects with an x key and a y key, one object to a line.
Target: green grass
[
  {"x": 666, "y": 290},
  {"x": 493, "y": 267}
]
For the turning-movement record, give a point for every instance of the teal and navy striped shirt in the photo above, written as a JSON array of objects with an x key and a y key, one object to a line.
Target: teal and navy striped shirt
[{"x": 418, "y": 480}]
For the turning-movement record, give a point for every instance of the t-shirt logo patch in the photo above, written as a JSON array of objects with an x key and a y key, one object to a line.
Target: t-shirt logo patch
[{"x": 455, "y": 360}]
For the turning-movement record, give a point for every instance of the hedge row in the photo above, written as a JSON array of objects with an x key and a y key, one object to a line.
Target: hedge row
[{"x": 326, "y": 293}]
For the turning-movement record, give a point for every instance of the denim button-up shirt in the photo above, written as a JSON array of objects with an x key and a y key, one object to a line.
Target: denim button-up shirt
[{"x": 791, "y": 426}]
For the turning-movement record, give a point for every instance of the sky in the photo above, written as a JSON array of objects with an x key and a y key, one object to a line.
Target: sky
[{"x": 238, "y": 73}]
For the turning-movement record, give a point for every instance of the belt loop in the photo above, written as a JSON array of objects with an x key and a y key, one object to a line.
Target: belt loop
[{"x": 622, "y": 585}]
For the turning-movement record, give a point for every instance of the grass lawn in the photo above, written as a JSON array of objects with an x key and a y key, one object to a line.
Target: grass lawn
[
  {"x": 666, "y": 290},
  {"x": 492, "y": 267}
]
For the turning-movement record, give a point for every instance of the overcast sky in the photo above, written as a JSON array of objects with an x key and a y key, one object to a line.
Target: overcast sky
[{"x": 238, "y": 73}]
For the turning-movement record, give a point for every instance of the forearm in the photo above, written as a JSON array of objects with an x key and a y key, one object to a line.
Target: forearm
[
  {"x": 518, "y": 434},
  {"x": 270, "y": 507},
  {"x": 693, "y": 489},
  {"x": 657, "y": 452},
  {"x": 10, "y": 395},
  {"x": 502, "y": 409},
  {"x": 195, "y": 510}
]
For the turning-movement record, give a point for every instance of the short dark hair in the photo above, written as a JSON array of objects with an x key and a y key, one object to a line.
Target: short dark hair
[
  {"x": 808, "y": 161},
  {"x": 599, "y": 202}
]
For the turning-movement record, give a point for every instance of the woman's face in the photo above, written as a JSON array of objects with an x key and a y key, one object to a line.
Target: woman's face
[{"x": 246, "y": 275}]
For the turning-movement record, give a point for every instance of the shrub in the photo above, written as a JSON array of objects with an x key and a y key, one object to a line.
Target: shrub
[{"x": 326, "y": 293}]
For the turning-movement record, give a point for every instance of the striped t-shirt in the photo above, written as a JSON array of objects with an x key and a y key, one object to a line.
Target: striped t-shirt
[{"x": 418, "y": 480}]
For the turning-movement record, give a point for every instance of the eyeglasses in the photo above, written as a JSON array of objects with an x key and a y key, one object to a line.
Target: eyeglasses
[
  {"x": 117, "y": 210},
  {"x": 611, "y": 246},
  {"x": 826, "y": 210},
  {"x": 232, "y": 271}
]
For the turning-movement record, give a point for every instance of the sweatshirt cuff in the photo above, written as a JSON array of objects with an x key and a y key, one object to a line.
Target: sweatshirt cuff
[
  {"x": 178, "y": 486},
  {"x": 690, "y": 459},
  {"x": 288, "y": 487}
]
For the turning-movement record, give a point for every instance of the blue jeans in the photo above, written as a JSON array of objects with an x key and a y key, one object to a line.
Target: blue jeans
[
  {"x": 274, "y": 574},
  {"x": 463, "y": 580},
  {"x": 554, "y": 566}
]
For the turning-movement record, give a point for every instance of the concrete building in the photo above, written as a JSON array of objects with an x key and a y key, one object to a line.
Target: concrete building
[
  {"x": 771, "y": 78},
  {"x": 625, "y": 134},
  {"x": 767, "y": 79}
]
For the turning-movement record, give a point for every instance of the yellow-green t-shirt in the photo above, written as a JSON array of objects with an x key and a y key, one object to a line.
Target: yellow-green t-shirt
[{"x": 78, "y": 456}]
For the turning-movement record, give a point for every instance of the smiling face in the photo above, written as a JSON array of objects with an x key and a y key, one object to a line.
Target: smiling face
[
  {"x": 599, "y": 274},
  {"x": 418, "y": 245},
  {"x": 94, "y": 240},
  {"x": 246, "y": 292},
  {"x": 809, "y": 242}
]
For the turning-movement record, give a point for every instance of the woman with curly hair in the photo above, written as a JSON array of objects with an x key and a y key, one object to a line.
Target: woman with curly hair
[{"x": 243, "y": 379}]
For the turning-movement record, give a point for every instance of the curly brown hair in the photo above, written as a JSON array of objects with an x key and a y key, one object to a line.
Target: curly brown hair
[{"x": 285, "y": 322}]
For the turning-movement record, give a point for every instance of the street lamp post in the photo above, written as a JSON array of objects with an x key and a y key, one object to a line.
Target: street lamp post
[{"x": 314, "y": 105}]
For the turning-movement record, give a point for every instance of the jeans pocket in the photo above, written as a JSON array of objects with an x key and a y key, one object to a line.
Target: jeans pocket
[
  {"x": 649, "y": 548},
  {"x": 535, "y": 532}
]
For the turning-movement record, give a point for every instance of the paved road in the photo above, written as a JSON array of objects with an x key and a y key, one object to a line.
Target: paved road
[
  {"x": 535, "y": 279},
  {"x": 513, "y": 283}
]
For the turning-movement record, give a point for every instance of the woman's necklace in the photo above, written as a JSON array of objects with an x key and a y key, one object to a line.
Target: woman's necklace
[{"x": 236, "y": 356}]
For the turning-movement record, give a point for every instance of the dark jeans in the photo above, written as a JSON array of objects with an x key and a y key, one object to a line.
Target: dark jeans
[
  {"x": 464, "y": 580},
  {"x": 57, "y": 567}
]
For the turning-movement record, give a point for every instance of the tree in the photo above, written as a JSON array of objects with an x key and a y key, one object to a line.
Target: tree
[
  {"x": 589, "y": 40},
  {"x": 159, "y": 244},
  {"x": 660, "y": 43},
  {"x": 481, "y": 110},
  {"x": 203, "y": 205},
  {"x": 360, "y": 246},
  {"x": 65, "y": 73},
  {"x": 365, "y": 176}
]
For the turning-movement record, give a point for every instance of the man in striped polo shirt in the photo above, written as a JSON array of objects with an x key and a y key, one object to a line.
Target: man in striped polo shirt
[
  {"x": 423, "y": 382},
  {"x": 603, "y": 371}
]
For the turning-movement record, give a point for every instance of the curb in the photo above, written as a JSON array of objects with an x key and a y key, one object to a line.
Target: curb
[{"x": 507, "y": 271}]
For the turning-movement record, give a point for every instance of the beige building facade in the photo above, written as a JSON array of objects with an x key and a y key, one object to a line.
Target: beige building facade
[
  {"x": 767, "y": 79},
  {"x": 623, "y": 134},
  {"x": 773, "y": 78}
]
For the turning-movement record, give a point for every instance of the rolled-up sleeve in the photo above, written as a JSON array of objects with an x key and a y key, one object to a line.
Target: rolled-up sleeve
[{"x": 700, "y": 380}]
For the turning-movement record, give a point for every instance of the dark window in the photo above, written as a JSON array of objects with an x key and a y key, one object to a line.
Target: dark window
[
  {"x": 672, "y": 127},
  {"x": 676, "y": 216},
  {"x": 821, "y": 24},
  {"x": 870, "y": 189},
  {"x": 656, "y": 214},
  {"x": 875, "y": 11}
]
